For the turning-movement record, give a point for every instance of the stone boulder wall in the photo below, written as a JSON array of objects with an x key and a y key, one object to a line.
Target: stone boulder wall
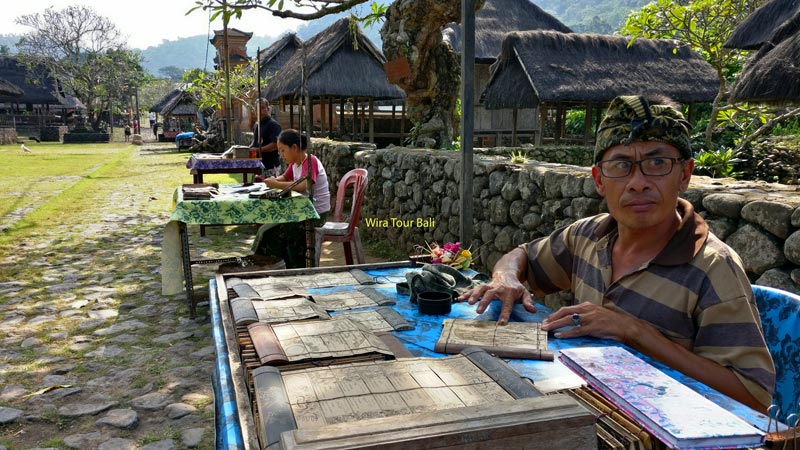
[
  {"x": 338, "y": 158},
  {"x": 413, "y": 198}
]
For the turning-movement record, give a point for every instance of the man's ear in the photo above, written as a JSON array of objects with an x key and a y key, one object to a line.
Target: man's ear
[
  {"x": 598, "y": 181},
  {"x": 686, "y": 174}
]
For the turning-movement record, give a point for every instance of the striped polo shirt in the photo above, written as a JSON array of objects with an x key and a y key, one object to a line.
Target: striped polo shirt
[{"x": 695, "y": 291}]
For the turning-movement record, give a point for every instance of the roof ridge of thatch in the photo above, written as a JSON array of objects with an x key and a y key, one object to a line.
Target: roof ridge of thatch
[
  {"x": 162, "y": 102},
  {"x": 177, "y": 100},
  {"x": 548, "y": 66},
  {"x": 497, "y": 18},
  {"x": 9, "y": 89},
  {"x": 38, "y": 84},
  {"x": 273, "y": 50},
  {"x": 757, "y": 28}
]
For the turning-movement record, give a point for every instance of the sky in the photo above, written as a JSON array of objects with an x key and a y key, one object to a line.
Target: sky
[{"x": 148, "y": 22}]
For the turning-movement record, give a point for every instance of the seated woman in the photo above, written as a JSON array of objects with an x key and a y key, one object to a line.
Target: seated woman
[{"x": 288, "y": 241}]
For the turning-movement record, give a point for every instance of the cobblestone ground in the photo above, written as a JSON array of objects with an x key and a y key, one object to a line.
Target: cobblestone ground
[{"x": 92, "y": 356}]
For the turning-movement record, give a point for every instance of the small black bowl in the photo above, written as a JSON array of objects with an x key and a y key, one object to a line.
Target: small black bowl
[{"x": 432, "y": 302}]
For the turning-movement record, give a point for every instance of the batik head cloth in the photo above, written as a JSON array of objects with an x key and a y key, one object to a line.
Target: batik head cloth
[{"x": 631, "y": 118}]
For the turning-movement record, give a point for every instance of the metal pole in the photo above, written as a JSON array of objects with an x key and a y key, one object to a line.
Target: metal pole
[{"x": 467, "y": 116}]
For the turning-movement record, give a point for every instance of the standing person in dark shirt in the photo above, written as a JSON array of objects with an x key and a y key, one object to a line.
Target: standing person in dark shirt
[{"x": 265, "y": 140}]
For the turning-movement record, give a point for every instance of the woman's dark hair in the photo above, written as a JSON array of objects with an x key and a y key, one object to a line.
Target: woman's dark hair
[{"x": 292, "y": 137}]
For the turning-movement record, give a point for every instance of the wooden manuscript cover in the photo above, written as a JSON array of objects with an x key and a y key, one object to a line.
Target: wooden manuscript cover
[
  {"x": 314, "y": 340},
  {"x": 248, "y": 310},
  {"x": 315, "y": 397},
  {"x": 524, "y": 340}
]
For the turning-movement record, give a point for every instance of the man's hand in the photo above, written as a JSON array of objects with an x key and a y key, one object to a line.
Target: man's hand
[
  {"x": 591, "y": 320},
  {"x": 506, "y": 287}
]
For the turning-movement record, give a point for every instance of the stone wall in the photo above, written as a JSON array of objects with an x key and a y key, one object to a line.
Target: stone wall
[
  {"x": 338, "y": 158},
  {"x": 413, "y": 198}
]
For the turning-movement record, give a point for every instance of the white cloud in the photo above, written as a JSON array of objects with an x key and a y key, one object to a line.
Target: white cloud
[{"x": 149, "y": 22}]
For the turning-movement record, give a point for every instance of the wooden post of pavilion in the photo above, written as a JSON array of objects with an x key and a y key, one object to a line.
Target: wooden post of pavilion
[{"x": 371, "y": 120}]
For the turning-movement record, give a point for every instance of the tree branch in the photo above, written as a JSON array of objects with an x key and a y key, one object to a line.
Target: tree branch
[{"x": 766, "y": 127}]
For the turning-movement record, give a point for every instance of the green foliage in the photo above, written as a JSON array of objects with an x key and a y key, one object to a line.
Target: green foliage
[
  {"x": 703, "y": 25},
  {"x": 375, "y": 15},
  {"x": 574, "y": 122},
  {"x": 591, "y": 16},
  {"x": 519, "y": 157},
  {"x": 171, "y": 71},
  {"x": 788, "y": 128},
  {"x": 209, "y": 87},
  {"x": 716, "y": 163}
]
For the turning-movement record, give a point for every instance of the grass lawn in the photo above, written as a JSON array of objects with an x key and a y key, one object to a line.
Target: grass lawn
[{"x": 65, "y": 185}]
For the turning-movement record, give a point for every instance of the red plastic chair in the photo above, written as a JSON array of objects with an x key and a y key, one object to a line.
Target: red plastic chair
[{"x": 337, "y": 230}]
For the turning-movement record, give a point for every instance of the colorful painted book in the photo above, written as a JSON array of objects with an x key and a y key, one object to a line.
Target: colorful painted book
[{"x": 674, "y": 413}]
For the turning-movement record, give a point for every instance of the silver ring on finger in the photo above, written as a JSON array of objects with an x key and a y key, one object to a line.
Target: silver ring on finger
[{"x": 576, "y": 319}]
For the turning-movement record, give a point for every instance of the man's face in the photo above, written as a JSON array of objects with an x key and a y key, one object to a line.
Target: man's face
[
  {"x": 264, "y": 109},
  {"x": 638, "y": 201}
]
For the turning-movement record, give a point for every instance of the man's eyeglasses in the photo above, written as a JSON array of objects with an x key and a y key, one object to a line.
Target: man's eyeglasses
[{"x": 655, "y": 167}]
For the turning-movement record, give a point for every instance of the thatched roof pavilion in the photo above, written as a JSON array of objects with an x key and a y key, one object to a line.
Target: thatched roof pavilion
[
  {"x": 496, "y": 19},
  {"x": 772, "y": 75},
  {"x": 272, "y": 59},
  {"x": 560, "y": 71},
  {"x": 336, "y": 66},
  {"x": 759, "y": 26},
  {"x": 8, "y": 89},
  {"x": 39, "y": 88},
  {"x": 338, "y": 63},
  {"x": 549, "y": 67},
  {"x": 159, "y": 106}
]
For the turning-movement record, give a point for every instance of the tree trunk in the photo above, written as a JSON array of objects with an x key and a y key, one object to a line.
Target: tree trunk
[
  {"x": 413, "y": 31},
  {"x": 715, "y": 108}
]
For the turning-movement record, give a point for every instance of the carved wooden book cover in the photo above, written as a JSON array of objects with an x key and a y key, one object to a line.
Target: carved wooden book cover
[
  {"x": 320, "y": 396},
  {"x": 524, "y": 340},
  {"x": 379, "y": 319},
  {"x": 249, "y": 310},
  {"x": 294, "y": 342}
]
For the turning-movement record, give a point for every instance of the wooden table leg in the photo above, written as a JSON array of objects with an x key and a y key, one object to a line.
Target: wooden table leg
[
  {"x": 311, "y": 258},
  {"x": 186, "y": 261}
]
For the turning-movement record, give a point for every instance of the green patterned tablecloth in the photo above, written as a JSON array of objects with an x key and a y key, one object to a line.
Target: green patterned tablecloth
[
  {"x": 229, "y": 208},
  {"x": 236, "y": 208}
]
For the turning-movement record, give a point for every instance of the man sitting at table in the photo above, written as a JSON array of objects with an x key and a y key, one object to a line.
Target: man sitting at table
[
  {"x": 649, "y": 273},
  {"x": 265, "y": 140}
]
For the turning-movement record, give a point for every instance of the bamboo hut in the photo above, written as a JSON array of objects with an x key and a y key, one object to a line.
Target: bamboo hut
[
  {"x": 492, "y": 22},
  {"x": 759, "y": 26},
  {"x": 180, "y": 112},
  {"x": 337, "y": 64},
  {"x": 772, "y": 74},
  {"x": 559, "y": 71}
]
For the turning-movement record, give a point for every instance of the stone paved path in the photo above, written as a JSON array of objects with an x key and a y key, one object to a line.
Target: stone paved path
[{"x": 92, "y": 356}]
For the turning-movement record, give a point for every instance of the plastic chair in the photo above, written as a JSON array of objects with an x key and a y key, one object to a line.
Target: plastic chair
[
  {"x": 780, "y": 316},
  {"x": 337, "y": 230}
]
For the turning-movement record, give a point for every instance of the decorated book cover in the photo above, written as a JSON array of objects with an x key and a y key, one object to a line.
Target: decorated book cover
[{"x": 674, "y": 413}]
